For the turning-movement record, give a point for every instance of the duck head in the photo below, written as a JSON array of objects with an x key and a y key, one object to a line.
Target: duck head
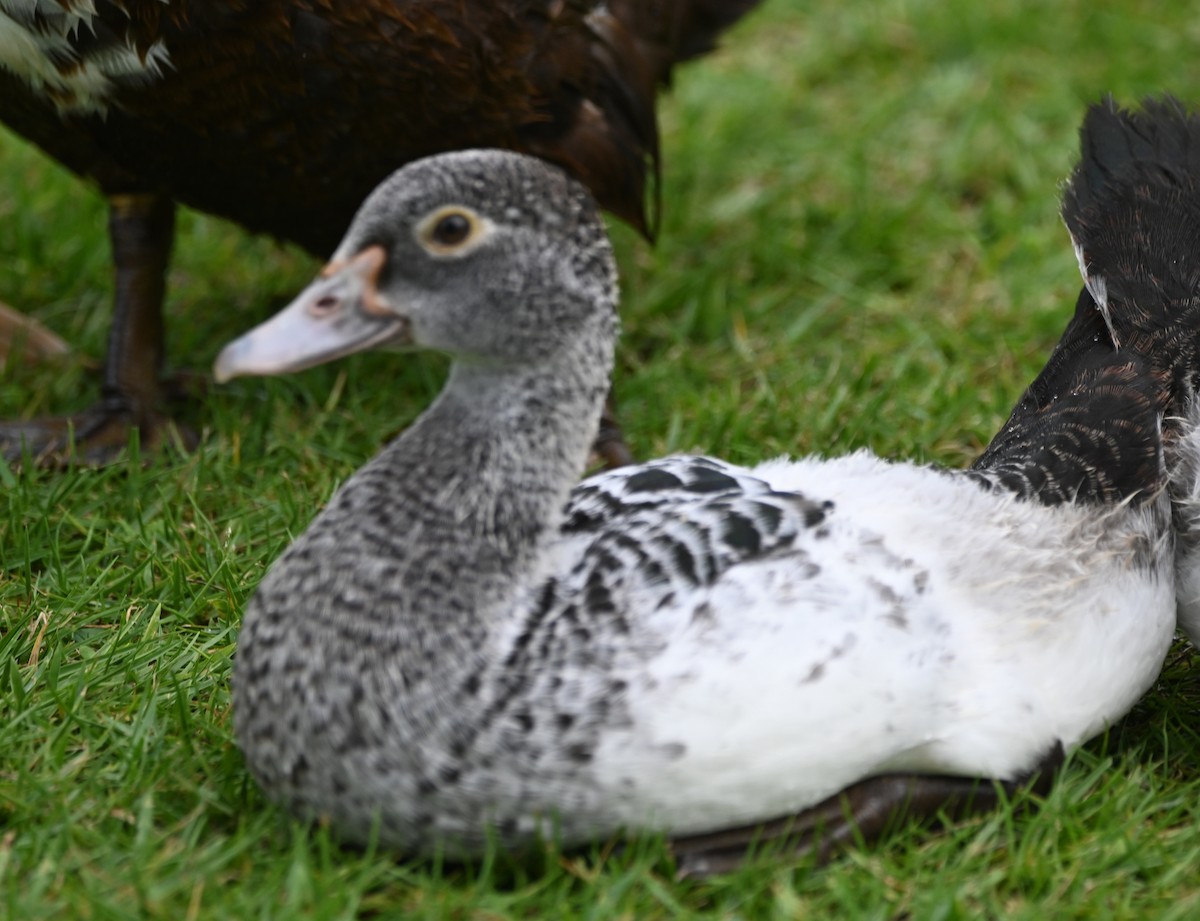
[{"x": 489, "y": 256}]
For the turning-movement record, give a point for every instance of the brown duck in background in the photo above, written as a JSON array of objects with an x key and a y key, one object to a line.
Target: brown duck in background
[{"x": 283, "y": 114}]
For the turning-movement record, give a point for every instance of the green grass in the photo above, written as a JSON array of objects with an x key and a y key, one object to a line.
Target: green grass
[{"x": 860, "y": 248}]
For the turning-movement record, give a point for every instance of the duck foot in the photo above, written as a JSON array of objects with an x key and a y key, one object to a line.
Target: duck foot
[
  {"x": 141, "y": 228},
  {"x": 862, "y": 812},
  {"x": 98, "y": 436}
]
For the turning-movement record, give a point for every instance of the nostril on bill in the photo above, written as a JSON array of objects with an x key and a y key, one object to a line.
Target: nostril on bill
[{"x": 326, "y": 304}]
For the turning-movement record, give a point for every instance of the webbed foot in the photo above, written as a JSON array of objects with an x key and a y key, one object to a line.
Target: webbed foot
[{"x": 97, "y": 436}]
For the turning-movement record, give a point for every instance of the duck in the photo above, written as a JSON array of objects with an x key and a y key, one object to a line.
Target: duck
[
  {"x": 471, "y": 646},
  {"x": 1132, "y": 208},
  {"x": 281, "y": 115}
]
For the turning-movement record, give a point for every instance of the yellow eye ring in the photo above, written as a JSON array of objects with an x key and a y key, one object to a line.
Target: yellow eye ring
[{"x": 452, "y": 231}]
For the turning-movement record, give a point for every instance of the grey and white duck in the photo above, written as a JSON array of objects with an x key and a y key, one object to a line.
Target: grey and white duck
[{"x": 467, "y": 641}]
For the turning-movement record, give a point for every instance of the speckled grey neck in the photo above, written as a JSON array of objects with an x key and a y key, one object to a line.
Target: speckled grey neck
[{"x": 364, "y": 663}]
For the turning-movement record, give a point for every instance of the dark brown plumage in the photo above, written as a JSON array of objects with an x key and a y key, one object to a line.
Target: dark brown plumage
[{"x": 282, "y": 114}]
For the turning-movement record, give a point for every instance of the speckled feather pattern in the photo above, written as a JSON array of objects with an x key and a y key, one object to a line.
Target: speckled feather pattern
[
  {"x": 687, "y": 672},
  {"x": 465, "y": 643}
]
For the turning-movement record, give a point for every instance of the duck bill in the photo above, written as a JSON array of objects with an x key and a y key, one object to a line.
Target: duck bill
[{"x": 340, "y": 313}]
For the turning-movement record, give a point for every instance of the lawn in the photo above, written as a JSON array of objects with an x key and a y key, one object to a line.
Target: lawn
[{"x": 860, "y": 248}]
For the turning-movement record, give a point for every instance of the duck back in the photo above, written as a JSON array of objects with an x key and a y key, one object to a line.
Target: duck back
[{"x": 283, "y": 114}]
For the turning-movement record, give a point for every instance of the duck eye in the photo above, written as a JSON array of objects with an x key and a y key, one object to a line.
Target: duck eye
[{"x": 451, "y": 229}]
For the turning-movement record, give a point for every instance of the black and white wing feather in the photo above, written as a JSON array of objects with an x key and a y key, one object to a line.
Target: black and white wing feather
[{"x": 676, "y": 525}]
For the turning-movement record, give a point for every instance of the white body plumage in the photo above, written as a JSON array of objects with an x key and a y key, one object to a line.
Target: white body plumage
[{"x": 925, "y": 625}]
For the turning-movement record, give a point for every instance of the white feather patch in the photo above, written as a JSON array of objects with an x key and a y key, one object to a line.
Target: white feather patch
[
  {"x": 87, "y": 86},
  {"x": 1098, "y": 289}
]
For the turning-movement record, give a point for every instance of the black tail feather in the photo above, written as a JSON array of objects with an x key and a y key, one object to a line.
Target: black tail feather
[
  {"x": 1090, "y": 428},
  {"x": 1118, "y": 145},
  {"x": 1132, "y": 206}
]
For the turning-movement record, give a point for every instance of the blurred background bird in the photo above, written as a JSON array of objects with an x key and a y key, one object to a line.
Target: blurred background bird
[{"x": 282, "y": 114}]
